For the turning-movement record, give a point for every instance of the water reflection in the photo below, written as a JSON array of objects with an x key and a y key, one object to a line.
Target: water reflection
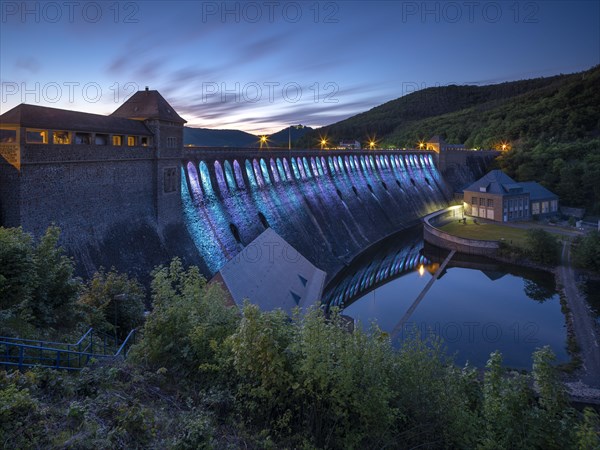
[{"x": 476, "y": 306}]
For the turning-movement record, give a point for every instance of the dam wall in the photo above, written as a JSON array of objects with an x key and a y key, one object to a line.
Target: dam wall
[{"x": 329, "y": 205}]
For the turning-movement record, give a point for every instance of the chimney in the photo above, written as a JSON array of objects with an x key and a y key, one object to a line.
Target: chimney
[{"x": 146, "y": 88}]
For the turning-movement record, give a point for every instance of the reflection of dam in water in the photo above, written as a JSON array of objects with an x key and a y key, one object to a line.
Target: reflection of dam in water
[
  {"x": 328, "y": 205},
  {"x": 375, "y": 269},
  {"x": 476, "y": 305}
]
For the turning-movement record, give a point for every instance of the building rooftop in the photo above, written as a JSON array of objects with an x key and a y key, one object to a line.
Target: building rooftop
[
  {"x": 148, "y": 104},
  {"x": 269, "y": 272},
  {"x": 34, "y": 116},
  {"x": 494, "y": 182},
  {"x": 537, "y": 191},
  {"x": 497, "y": 182}
]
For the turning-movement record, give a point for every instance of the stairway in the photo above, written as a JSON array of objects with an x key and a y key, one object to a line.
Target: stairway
[{"x": 93, "y": 346}]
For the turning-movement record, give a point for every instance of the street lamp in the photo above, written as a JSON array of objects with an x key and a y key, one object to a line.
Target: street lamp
[
  {"x": 323, "y": 143},
  {"x": 263, "y": 141}
]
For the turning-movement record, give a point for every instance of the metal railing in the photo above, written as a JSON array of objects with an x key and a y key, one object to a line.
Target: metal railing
[{"x": 93, "y": 345}]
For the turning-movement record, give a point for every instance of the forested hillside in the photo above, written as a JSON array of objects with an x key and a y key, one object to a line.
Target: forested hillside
[{"x": 552, "y": 126}]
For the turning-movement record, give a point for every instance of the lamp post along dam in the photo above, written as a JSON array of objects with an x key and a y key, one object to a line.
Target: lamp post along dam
[{"x": 128, "y": 194}]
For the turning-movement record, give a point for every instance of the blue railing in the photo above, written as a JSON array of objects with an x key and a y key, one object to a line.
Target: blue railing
[{"x": 23, "y": 353}]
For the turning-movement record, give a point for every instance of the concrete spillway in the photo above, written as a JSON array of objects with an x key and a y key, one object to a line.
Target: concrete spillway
[{"x": 329, "y": 206}]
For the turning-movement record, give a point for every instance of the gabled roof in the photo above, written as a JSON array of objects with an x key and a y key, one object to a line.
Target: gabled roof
[
  {"x": 148, "y": 105},
  {"x": 537, "y": 191},
  {"x": 494, "y": 182},
  {"x": 34, "y": 116},
  {"x": 272, "y": 274}
]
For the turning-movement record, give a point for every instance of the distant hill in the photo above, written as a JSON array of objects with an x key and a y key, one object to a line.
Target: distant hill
[
  {"x": 218, "y": 138},
  {"x": 559, "y": 108},
  {"x": 281, "y": 138},
  {"x": 206, "y": 137},
  {"x": 552, "y": 126}
]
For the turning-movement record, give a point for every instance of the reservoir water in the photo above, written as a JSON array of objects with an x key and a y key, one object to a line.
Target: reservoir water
[{"x": 476, "y": 306}]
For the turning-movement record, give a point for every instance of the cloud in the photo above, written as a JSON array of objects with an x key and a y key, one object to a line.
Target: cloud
[{"x": 29, "y": 64}]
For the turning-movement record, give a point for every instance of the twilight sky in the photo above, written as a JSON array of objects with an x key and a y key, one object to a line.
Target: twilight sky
[{"x": 261, "y": 66}]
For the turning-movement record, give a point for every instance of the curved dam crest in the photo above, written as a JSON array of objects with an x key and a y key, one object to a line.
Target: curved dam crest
[{"x": 330, "y": 206}]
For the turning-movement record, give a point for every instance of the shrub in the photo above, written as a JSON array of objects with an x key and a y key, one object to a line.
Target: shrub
[
  {"x": 188, "y": 323},
  {"x": 37, "y": 285},
  {"x": 543, "y": 247},
  {"x": 113, "y": 302},
  {"x": 586, "y": 251}
]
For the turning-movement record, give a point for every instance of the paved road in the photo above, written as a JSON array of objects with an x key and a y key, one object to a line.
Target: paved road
[{"x": 585, "y": 327}]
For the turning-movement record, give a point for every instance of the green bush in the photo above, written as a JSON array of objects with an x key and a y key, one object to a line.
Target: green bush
[
  {"x": 113, "y": 300},
  {"x": 586, "y": 251},
  {"x": 188, "y": 323},
  {"x": 37, "y": 286},
  {"x": 543, "y": 247}
]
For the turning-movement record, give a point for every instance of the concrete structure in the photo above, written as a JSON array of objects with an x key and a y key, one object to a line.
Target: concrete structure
[
  {"x": 439, "y": 145},
  {"x": 349, "y": 144},
  {"x": 458, "y": 164},
  {"x": 114, "y": 185},
  {"x": 441, "y": 239},
  {"x": 111, "y": 183},
  {"x": 272, "y": 274},
  {"x": 498, "y": 197}
]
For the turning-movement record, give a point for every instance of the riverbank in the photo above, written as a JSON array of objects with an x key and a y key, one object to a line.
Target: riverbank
[{"x": 583, "y": 343}]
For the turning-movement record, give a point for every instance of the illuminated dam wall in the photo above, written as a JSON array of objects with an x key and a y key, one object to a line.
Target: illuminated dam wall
[{"x": 328, "y": 205}]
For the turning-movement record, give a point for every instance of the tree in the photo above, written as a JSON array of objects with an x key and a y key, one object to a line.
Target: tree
[
  {"x": 37, "y": 283},
  {"x": 115, "y": 303},
  {"x": 188, "y": 323},
  {"x": 543, "y": 247},
  {"x": 586, "y": 251}
]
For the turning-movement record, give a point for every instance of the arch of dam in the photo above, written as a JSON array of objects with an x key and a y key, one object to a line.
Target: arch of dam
[{"x": 329, "y": 205}]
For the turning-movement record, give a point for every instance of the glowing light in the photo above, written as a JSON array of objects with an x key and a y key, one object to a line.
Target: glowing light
[
  {"x": 421, "y": 270},
  {"x": 504, "y": 145},
  {"x": 421, "y": 145},
  {"x": 372, "y": 145},
  {"x": 323, "y": 143},
  {"x": 263, "y": 141}
]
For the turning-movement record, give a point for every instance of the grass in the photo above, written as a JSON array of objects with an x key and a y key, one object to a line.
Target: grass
[{"x": 487, "y": 232}]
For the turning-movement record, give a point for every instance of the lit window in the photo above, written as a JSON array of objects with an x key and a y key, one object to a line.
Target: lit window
[
  {"x": 545, "y": 207},
  {"x": 83, "y": 138},
  {"x": 117, "y": 140},
  {"x": 36, "y": 137},
  {"x": 61, "y": 137},
  {"x": 131, "y": 141}
]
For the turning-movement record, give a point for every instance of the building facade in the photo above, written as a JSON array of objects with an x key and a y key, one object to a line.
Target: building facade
[
  {"x": 109, "y": 182},
  {"x": 498, "y": 197}
]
